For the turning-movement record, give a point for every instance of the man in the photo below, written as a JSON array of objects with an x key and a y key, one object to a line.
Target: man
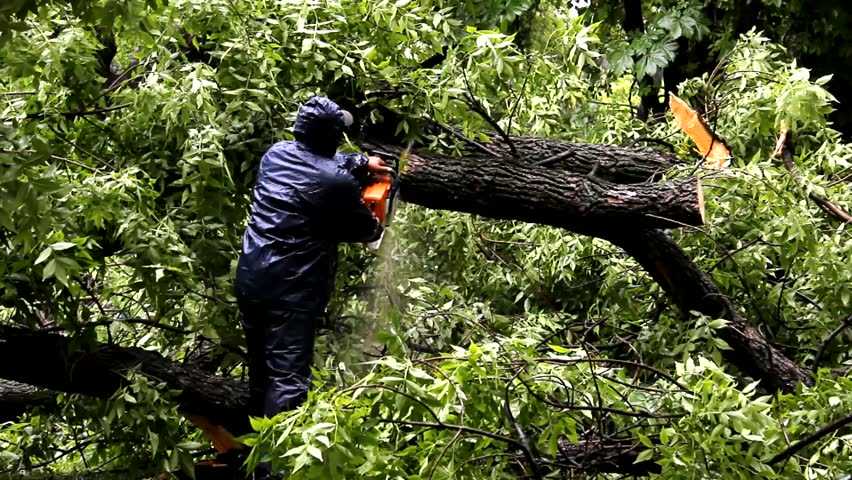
[{"x": 307, "y": 199}]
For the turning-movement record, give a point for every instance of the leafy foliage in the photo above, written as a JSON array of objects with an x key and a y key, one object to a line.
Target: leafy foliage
[{"x": 129, "y": 136}]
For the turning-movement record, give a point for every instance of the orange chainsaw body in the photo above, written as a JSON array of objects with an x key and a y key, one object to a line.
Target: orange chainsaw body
[{"x": 376, "y": 196}]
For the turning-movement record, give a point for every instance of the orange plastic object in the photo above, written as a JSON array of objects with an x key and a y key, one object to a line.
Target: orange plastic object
[
  {"x": 711, "y": 147},
  {"x": 222, "y": 439},
  {"x": 375, "y": 196}
]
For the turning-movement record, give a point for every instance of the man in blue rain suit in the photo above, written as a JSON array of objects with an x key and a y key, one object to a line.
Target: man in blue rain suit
[{"x": 306, "y": 201}]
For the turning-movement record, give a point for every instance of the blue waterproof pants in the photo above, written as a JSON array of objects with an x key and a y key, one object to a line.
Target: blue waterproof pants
[{"x": 280, "y": 351}]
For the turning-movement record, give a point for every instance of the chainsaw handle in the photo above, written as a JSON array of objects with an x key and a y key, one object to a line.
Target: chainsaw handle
[{"x": 391, "y": 163}]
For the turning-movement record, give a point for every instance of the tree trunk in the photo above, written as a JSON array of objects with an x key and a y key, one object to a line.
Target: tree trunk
[
  {"x": 18, "y": 398},
  {"x": 612, "y": 163},
  {"x": 56, "y": 362},
  {"x": 519, "y": 191},
  {"x": 692, "y": 289}
]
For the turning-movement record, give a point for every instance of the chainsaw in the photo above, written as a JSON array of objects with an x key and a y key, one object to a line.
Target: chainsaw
[{"x": 380, "y": 194}]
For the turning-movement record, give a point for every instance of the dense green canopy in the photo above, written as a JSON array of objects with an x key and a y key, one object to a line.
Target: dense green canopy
[{"x": 467, "y": 348}]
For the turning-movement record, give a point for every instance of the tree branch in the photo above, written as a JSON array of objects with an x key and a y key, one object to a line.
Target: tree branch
[
  {"x": 784, "y": 150},
  {"x": 810, "y": 439}
]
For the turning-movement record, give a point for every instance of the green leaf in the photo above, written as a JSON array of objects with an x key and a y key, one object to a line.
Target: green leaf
[
  {"x": 323, "y": 439},
  {"x": 718, "y": 323},
  {"x": 260, "y": 423},
  {"x": 301, "y": 461},
  {"x": 644, "y": 456},
  {"x": 721, "y": 344},
  {"x": 59, "y": 246},
  {"x": 315, "y": 452},
  {"x": 190, "y": 445},
  {"x": 155, "y": 441},
  {"x": 295, "y": 451},
  {"x": 187, "y": 465},
  {"x": 43, "y": 255},
  {"x": 49, "y": 269},
  {"x": 60, "y": 272}
]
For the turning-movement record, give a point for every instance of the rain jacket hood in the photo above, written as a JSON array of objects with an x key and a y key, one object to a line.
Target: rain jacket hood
[{"x": 319, "y": 125}]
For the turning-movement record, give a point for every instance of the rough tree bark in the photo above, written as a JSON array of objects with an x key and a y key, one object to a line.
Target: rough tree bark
[
  {"x": 606, "y": 456},
  {"x": 18, "y": 398},
  {"x": 623, "y": 165},
  {"x": 612, "y": 163},
  {"x": 548, "y": 197},
  {"x": 583, "y": 203}
]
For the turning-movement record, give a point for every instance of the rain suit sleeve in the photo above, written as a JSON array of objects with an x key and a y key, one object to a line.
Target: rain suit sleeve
[
  {"x": 343, "y": 216},
  {"x": 356, "y": 164}
]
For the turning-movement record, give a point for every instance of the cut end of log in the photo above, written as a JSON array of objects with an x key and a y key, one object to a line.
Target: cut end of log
[{"x": 700, "y": 191}]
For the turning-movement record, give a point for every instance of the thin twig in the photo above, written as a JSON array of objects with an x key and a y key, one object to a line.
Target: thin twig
[
  {"x": 139, "y": 321},
  {"x": 825, "y": 343},
  {"x": 478, "y": 108},
  {"x": 528, "y": 448},
  {"x": 614, "y": 361},
  {"x": 78, "y": 113},
  {"x": 469, "y": 141},
  {"x": 517, "y": 103},
  {"x": 461, "y": 428},
  {"x": 64, "y": 139}
]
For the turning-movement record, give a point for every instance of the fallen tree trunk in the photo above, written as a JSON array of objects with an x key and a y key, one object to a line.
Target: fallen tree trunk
[
  {"x": 613, "y": 163},
  {"x": 51, "y": 361},
  {"x": 548, "y": 197},
  {"x": 583, "y": 203},
  {"x": 18, "y": 398}
]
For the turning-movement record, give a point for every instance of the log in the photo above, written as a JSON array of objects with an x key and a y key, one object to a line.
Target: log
[
  {"x": 57, "y": 362},
  {"x": 692, "y": 289},
  {"x": 18, "y": 398},
  {"x": 516, "y": 191}
]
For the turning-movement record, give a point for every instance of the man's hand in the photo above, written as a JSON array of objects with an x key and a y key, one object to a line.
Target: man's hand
[{"x": 378, "y": 166}]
